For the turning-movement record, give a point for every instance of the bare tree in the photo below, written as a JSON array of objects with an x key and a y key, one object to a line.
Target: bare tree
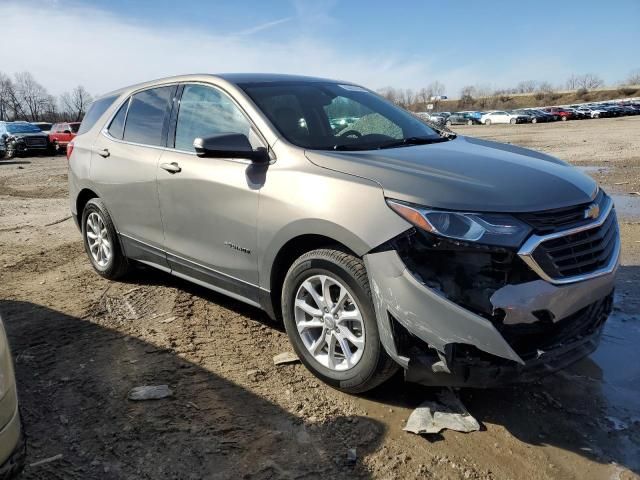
[
  {"x": 467, "y": 95},
  {"x": 74, "y": 103},
  {"x": 589, "y": 81},
  {"x": 10, "y": 107},
  {"x": 526, "y": 86},
  {"x": 32, "y": 97},
  {"x": 633, "y": 78},
  {"x": 572, "y": 82}
]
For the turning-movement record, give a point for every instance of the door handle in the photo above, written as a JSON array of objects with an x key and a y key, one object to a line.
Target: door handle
[
  {"x": 104, "y": 153},
  {"x": 172, "y": 167}
]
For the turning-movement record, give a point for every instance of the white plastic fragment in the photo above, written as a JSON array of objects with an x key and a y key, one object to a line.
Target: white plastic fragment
[
  {"x": 285, "y": 357},
  {"x": 149, "y": 392},
  {"x": 446, "y": 413}
]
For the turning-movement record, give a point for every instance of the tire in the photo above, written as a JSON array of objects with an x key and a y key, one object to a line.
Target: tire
[
  {"x": 10, "y": 152},
  {"x": 513, "y": 121},
  {"x": 487, "y": 122},
  {"x": 116, "y": 264},
  {"x": 534, "y": 120},
  {"x": 563, "y": 118},
  {"x": 469, "y": 122},
  {"x": 448, "y": 123},
  {"x": 56, "y": 148},
  {"x": 373, "y": 366}
]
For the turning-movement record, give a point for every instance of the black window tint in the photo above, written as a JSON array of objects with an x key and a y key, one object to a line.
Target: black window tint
[
  {"x": 96, "y": 109},
  {"x": 147, "y": 113},
  {"x": 116, "y": 129},
  {"x": 206, "y": 111}
]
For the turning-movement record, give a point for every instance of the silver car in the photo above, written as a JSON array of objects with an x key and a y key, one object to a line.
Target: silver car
[
  {"x": 383, "y": 245},
  {"x": 12, "y": 442}
]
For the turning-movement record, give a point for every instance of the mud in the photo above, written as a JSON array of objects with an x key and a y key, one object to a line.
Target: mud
[{"x": 82, "y": 343}]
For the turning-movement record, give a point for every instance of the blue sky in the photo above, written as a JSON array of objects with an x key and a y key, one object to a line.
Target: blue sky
[{"x": 403, "y": 44}]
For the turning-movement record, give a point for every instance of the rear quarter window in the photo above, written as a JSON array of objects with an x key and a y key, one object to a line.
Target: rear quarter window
[
  {"x": 148, "y": 111},
  {"x": 96, "y": 109}
]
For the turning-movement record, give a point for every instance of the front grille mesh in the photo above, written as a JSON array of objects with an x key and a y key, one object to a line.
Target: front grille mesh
[
  {"x": 580, "y": 253},
  {"x": 550, "y": 221},
  {"x": 35, "y": 141}
]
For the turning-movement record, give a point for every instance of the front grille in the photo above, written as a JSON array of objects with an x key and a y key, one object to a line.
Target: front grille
[
  {"x": 529, "y": 339},
  {"x": 550, "y": 221},
  {"x": 35, "y": 141},
  {"x": 579, "y": 253}
]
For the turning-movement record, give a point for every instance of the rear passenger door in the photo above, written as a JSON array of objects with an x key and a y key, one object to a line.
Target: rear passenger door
[
  {"x": 124, "y": 167},
  {"x": 209, "y": 207}
]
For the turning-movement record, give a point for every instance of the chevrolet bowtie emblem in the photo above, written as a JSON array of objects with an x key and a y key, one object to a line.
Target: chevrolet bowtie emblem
[{"x": 592, "y": 212}]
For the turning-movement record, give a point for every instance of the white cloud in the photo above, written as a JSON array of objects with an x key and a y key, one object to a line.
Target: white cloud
[{"x": 66, "y": 47}]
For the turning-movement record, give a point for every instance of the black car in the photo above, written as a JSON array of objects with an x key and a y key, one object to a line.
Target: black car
[
  {"x": 537, "y": 116},
  {"x": 22, "y": 138},
  {"x": 462, "y": 119}
]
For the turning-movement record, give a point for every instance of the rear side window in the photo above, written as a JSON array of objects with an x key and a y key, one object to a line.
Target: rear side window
[
  {"x": 148, "y": 111},
  {"x": 206, "y": 111},
  {"x": 96, "y": 109},
  {"x": 116, "y": 129}
]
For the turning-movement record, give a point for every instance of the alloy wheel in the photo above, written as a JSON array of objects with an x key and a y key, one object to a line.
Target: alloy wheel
[
  {"x": 98, "y": 240},
  {"x": 329, "y": 322}
]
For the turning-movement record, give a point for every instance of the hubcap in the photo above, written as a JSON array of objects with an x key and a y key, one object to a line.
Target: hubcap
[
  {"x": 329, "y": 322},
  {"x": 98, "y": 240}
]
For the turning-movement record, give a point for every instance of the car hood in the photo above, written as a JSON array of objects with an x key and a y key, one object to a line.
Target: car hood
[
  {"x": 467, "y": 174},
  {"x": 28, "y": 134}
]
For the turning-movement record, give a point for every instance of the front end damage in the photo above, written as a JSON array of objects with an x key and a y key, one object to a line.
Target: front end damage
[{"x": 462, "y": 314}]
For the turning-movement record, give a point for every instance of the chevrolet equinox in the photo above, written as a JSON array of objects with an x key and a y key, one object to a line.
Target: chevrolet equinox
[{"x": 380, "y": 241}]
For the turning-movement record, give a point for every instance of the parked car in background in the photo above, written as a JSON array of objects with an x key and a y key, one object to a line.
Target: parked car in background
[
  {"x": 457, "y": 259},
  {"x": 592, "y": 112},
  {"x": 21, "y": 138},
  {"x": 43, "y": 126},
  {"x": 462, "y": 118},
  {"x": 61, "y": 134},
  {"x": 562, "y": 113},
  {"x": 577, "y": 114},
  {"x": 439, "y": 118},
  {"x": 501, "y": 116},
  {"x": 12, "y": 439},
  {"x": 535, "y": 115}
]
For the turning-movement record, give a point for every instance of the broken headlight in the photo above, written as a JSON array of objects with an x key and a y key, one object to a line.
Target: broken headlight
[{"x": 488, "y": 228}]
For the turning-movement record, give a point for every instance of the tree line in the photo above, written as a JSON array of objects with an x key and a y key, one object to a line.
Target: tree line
[
  {"x": 485, "y": 97},
  {"x": 23, "y": 98}
]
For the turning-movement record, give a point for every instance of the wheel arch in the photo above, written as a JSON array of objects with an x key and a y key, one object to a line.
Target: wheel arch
[{"x": 82, "y": 199}]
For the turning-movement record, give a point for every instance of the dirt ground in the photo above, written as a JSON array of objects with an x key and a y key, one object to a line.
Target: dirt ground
[{"x": 81, "y": 343}]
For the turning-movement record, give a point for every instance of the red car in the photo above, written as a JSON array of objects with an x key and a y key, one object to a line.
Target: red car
[
  {"x": 560, "y": 112},
  {"x": 61, "y": 134}
]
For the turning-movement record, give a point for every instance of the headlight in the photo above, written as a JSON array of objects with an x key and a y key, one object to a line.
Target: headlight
[{"x": 488, "y": 228}]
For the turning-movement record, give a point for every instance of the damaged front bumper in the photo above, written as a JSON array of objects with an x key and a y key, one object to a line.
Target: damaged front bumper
[{"x": 491, "y": 327}]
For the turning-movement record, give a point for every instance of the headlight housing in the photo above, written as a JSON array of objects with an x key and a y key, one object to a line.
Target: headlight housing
[{"x": 488, "y": 228}]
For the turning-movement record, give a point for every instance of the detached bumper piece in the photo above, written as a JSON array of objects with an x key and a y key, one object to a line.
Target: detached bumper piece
[{"x": 460, "y": 314}]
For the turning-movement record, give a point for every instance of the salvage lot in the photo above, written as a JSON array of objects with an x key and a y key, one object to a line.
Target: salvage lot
[{"x": 81, "y": 343}]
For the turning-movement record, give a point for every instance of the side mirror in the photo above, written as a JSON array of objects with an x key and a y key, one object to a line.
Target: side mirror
[{"x": 229, "y": 145}]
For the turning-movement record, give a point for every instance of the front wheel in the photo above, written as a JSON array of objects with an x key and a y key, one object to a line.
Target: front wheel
[
  {"x": 563, "y": 118},
  {"x": 534, "y": 120},
  {"x": 469, "y": 122},
  {"x": 487, "y": 122},
  {"x": 101, "y": 241},
  {"x": 513, "y": 121},
  {"x": 329, "y": 317}
]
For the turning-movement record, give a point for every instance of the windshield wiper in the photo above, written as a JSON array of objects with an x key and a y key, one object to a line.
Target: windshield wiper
[{"x": 412, "y": 141}]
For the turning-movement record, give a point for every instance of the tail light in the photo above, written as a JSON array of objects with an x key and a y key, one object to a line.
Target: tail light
[{"x": 69, "y": 150}]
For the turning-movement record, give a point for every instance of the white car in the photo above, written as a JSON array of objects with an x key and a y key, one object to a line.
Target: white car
[
  {"x": 593, "y": 112},
  {"x": 500, "y": 116}
]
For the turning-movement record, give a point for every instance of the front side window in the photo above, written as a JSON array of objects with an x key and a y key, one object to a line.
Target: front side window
[
  {"x": 205, "y": 111},
  {"x": 330, "y": 116},
  {"x": 148, "y": 111}
]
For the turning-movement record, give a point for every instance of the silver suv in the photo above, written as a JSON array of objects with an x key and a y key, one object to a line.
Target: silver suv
[{"x": 379, "y": 241}]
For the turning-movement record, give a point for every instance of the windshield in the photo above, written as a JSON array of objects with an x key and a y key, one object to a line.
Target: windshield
[
  {"x": 43, "y": 126},
  {"x": 329, "y": 116},
  {"x": 74, "y": 127},
  {"x": 22, "y": 128}
]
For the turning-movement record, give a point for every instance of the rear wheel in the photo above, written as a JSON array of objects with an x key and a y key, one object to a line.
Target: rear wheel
[
  {"x": 534, "y": 120},
  {"x": 101, "y": 241},
  {"x": 469, "y": 122},
  {"x": 487, "y": 122},
  {"x": 448, "y": 123},
  {"x": 563, "y": 118},
  {"x": 513, "y": 121},
  {"x": 329, "y": 317}
]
